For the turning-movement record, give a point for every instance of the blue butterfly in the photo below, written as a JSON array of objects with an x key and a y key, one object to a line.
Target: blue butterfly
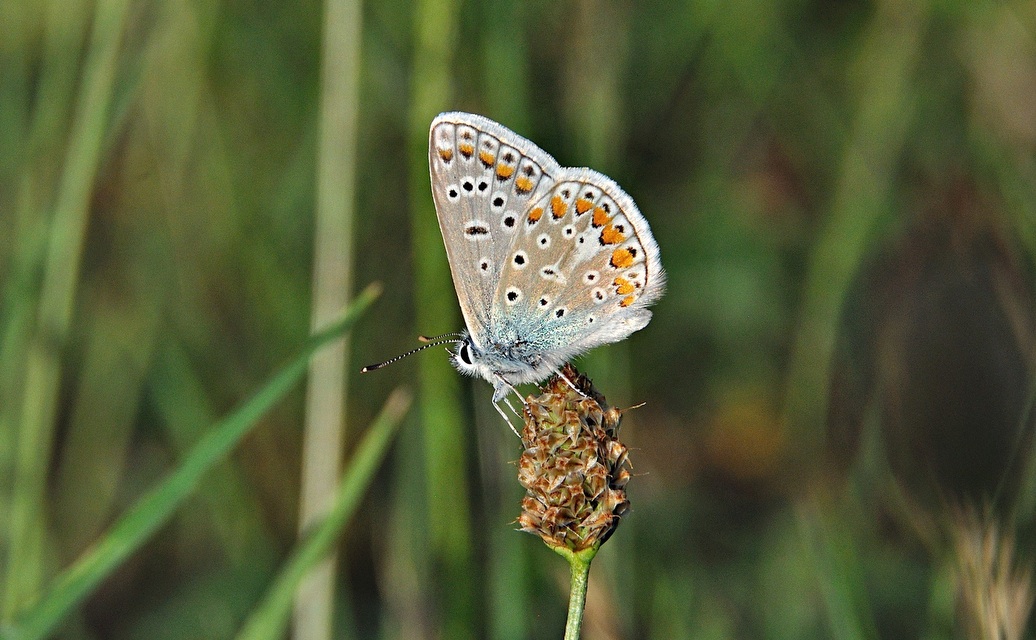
[{"x": 548, "y": 262}]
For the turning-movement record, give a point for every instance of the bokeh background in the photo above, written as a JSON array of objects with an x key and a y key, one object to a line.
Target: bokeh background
[{"x": 836, "y": 440}]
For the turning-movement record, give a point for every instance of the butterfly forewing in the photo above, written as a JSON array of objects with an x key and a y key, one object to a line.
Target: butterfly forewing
[{"x": 483, "y": 179}]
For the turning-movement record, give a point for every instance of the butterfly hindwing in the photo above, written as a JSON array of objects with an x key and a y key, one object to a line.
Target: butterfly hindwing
[{"x": 589, "y": 267}]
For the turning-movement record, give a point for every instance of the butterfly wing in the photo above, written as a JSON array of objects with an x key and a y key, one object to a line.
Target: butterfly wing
[
  {"x": 581, "y": 271},
  {"x": 483, "y": 178}
]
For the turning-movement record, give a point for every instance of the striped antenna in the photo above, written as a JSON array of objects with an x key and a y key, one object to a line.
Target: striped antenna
[{"x": 430, "y": 342}]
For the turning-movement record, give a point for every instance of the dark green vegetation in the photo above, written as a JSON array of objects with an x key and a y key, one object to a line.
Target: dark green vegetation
[{"x": 840, "y": 377}]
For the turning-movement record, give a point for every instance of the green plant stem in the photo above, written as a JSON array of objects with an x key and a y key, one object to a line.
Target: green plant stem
[
  {"x": 269, "y": 618},
  {"x": 157, "y": 507},
  {"x": 579, "y": 563},
  {"x": 332, "y": 282}
]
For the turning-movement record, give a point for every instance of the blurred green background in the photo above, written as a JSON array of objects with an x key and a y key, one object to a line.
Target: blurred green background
[{"x": 839, "y": 384}]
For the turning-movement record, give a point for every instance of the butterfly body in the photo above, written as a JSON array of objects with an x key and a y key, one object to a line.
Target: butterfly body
[{"x": 547, "y": 261}]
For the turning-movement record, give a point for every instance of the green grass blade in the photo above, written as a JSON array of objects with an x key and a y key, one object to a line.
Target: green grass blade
[
  {"x": 154, "y": 509},
  {"x": 835, "y": 556},
  {"x": 183, "y": 406},
  {"x": 270, "y": 617},
  {"x": 107, "y": 398},
  {"x": 39, "y": 405},
  {"x": 863, "y": 197}
]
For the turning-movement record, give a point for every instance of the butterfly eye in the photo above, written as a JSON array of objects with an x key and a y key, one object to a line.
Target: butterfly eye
[{"x": 465, "y": 354}]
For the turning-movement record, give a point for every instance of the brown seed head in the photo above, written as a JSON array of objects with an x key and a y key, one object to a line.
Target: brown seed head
[{"x": 574, "y": 468}]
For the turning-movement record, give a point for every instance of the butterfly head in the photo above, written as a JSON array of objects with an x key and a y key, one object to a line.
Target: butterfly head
[
  {"x": 470, "y": 360},
  {"x": 489, "y": 364}
]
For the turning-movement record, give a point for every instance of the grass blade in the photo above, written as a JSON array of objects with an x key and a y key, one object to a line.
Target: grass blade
[
  {"x": 269, "y": 618},
  {"x": 56, "y": 302},
  {"x": 332, "y": 283},
  {"x": 863, "y": 196},
  {"x": 154, "y": 509}
]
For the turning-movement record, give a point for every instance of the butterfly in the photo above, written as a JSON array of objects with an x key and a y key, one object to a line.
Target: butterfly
[{"x": 547, "y": 261}]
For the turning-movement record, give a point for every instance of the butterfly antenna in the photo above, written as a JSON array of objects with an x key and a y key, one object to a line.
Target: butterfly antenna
[
  {"x": 454, "y": 335},
  {"x": 379, "y": 365}
]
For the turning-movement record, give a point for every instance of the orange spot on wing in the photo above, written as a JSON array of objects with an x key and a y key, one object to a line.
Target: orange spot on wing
[
  {"x": 536, "y": 214},
  {"x": 504, "y": 172},
  {"x": 558, "y": 207},
  {"x": 627, "y": 301},
  {"x": 446, "y": 154},
  {"x": 623, "y": 286},
  {"x": 611, "y": 235},
  {"x": 487, "y": 158},
  {"x": 601, "y": 217},
  {"x": 466, "y": 149},
  {"x": 583, "y": 205},
  {"x": 523, "y": 184},
  {"x": 621, "y": 259}
]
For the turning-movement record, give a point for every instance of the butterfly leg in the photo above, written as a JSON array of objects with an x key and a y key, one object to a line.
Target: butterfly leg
[
  {"x": 507, "y": 401},
  {"x": 501, "y": 387},
  {"x": 500, "y": 390},
  {"x": 504, "y": 416},
  {"x": 571, "y": 384},
  {"x": 501, "y": 393}
]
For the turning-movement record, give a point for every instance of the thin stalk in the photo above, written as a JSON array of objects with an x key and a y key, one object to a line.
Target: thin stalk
[
  {"x": 596, "y": 68},
  {"x": 579, "y": 564},
  {"x": 332, "y": 281}
]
